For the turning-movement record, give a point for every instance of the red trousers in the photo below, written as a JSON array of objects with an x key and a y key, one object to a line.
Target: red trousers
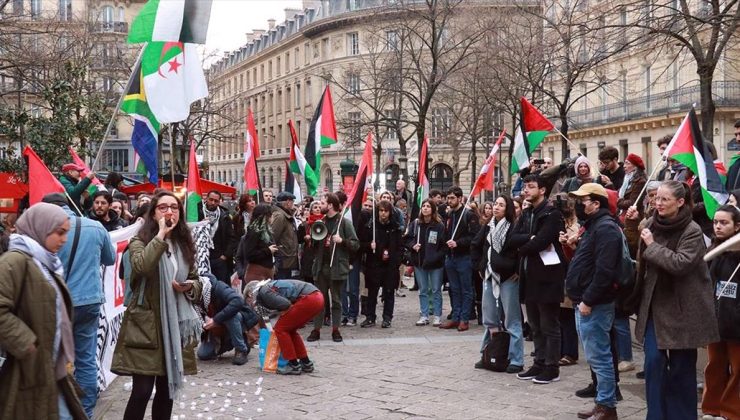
[
  {"x": 299, "y": 314},
  {"x": 722, "y": 380}
]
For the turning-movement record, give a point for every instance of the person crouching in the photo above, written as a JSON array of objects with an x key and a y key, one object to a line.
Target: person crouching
[{"x": 299, "y": 302}]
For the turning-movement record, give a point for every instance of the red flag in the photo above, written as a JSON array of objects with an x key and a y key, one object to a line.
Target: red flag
[
  {"x": 78, "y": 160},
  {"x": 251, "y": 153},
  {"x": 363, "y": 180},
  {"x": 40, "y": 179},
  {"x": 485, "y": 179}
]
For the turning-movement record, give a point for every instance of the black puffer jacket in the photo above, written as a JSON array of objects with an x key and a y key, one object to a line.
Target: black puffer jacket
[
  {"x": 432, "y": 239},
  {"x": 728, "y": 306}
]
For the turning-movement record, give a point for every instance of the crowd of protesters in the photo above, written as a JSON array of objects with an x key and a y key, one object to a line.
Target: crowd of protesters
[{"x": 553, "y": 263}]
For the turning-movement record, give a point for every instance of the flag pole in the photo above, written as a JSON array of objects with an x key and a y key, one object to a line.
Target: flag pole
[
  {"x": 659, "y": 165},
  {"x": 339, "y": 223},
  {"x": 465, "y": 206},
  {"x": 172, "y": 156},
  {"x": 73, "y": 203},
  {"x": 118, "y": 106}
]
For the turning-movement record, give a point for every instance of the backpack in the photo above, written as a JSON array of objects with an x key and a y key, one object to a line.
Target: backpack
[
  {"x": 496, "y": 352},
  {"x": 627, "y": 266}
]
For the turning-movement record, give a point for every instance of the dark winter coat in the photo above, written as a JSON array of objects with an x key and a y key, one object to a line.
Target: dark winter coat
[
  {"x": 728, "y": 306},
  {"x": 226, "y": 302},
  {"x": 466, "y": 231},
  {"x": 537, "y": 229},
  {"x": 431, "y": 237},
  {"x": 284, "y": 233},
  {"x": 676, "y": 290},
  {"x": 616, "y": 177},
  {"x": 343, "y": 254},
  {"x": 253, "y": 250},
  {"x": 593, "y": 273},
  {"x": 225, "y": 240},
  {"x": 381, "y": 266},
  {"x": 633, "y": 191},
  {"x": 114, "y": 221},
  {"x": 504, "y": 263}
]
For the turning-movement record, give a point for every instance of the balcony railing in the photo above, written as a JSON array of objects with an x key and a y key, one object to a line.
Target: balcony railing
[
  {"x": 673, "y": 101},
  {"x": 114, "y": 27}
]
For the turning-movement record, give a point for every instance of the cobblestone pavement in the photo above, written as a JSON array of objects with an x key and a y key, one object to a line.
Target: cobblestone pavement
[{"x": 399, "y": 373}]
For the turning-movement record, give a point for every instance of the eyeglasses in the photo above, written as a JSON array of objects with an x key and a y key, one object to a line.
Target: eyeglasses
[
  {"x": 164, "y": 207},
  {"x": 585, "y": 200}
]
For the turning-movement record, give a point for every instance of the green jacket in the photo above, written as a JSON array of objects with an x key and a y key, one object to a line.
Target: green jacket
[
  {"x": 284, "y": 234},
  {"x": 150, "y": 362},
  {"x": 350, "y": 243},
  {"x": 75, "y": 189},
  {"x": 28, "y": 389}
]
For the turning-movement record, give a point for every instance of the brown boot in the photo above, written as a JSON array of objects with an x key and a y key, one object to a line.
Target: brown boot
[
  {"x": 587, "y": 413},
  {"x": 450, "y": 325},
  {"x": 604, "y": 413}
]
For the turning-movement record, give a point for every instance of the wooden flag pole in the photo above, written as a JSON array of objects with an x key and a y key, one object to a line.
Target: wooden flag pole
[{"x": 339, "y": 223}]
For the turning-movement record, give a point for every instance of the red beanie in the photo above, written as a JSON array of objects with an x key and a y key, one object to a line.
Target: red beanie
[{"x": 636, "y": 160}]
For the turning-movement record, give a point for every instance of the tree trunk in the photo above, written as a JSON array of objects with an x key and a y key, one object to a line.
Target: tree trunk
[
  {"x": 707, "y": 105},
  {"x": 564, "y": 129}
]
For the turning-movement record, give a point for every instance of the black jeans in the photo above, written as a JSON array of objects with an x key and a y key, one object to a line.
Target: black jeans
[
  {"x": 389, "y": 299},
  {"x": 220, "y": 269},
  {"x": 569, "y": 335},
  {"x": 140, "y": 393},
  {"x": 544, "y": 319}
]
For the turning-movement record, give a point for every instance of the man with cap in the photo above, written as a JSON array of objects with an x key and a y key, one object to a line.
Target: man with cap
[
  {"x": 81, "y": 259},
  {"x": 222, "y": 233},
  {"x": 590, "y": 283},
  {"x": 74, "y": 183},
  {"x": 285, "y": 234}
]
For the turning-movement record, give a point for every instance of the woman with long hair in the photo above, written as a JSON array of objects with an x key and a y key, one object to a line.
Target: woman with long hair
[
  {"x": 569, "y": 240},
  {"x": 426, "y": 241},
  {"x": 487, "y": 213},
  {"x": 244, "y": 210},
  {"x": 304, "y": 234},
  {"x": 382, "y": 260},
  {"x": 676, "y": 309},
  {"x": 161, "y": 327},
  {"x": 255, "y": 259},
  {"x": 497, "y": 265},
  {"x": 36, "y": 313},
  {"x": 722, "y": 374}
]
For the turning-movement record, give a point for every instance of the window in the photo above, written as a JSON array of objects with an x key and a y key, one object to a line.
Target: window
[
  {"x": 262, "y": 73},
  {"x": 272, "y": 178},
  {"x": 279, "y": 103},
  {"x": 115, "y": 160},
  {"x": 647, "y": 85},
  {"x": 17, "y": 7},
  {"x": 308, "y": 92},
  {"x": 35, "y": 8},
  {"x": 65, "y": 10},
  {"x": 325, "y": 49},
  {"x": 287, "y": 62},
  {"x": 295, "y": 59},
  {"x": 269, "y": 70},
  {"x": 354, "y": 118},
  {"x": 391, "y": 40},
  {"x": 441, "y": 123},
  {"x": 106, "y": 14},
  {"x": 121, "y": 14},
  {"x": 297, "y": 95},
  {"x": 353, "y": 43},
  {"x": 306, "y": 55},
  {"x": 278, "y": 67},
  {"x": 353, "y": 5},
  {"x": 353, "y": 84}
]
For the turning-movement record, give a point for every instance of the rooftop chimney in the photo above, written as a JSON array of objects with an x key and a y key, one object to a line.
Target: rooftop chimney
[{"x": 271, "y": 23}]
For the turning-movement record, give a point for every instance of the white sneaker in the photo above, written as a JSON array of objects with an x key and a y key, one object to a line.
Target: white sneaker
[
  {"x": 625, "y": 366},
  {"x": 436, "y": 321},
  {"x": 422, "y": 321}
]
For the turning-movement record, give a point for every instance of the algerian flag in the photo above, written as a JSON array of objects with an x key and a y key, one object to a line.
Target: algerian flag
[
  {"x": 194, "y": 193},
  {"x": 173, "y": 79},
  {"x": 532, "y": 131},
  {"x": 299, "y": 165},
  {"x": 172, "y": 20},
  {"x": 322, "y": 133}
]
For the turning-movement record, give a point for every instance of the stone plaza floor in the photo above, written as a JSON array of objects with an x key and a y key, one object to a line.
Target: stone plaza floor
[{"x": 404, "y": 372}]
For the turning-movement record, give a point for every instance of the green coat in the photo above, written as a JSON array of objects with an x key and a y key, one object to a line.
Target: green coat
[
  {"x": 28, "y": 389},
  {"x": 75, "y": 190},
  {"x": 150, "y": 362},
  {"x": 350, "y": 243}
]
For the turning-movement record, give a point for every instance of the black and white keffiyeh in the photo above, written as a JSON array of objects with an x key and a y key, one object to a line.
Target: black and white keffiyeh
[{"x": 496, "y": 239}]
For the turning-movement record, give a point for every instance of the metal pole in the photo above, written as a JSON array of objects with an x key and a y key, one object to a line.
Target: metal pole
[
  {"x": 118, "y": 106},
  {"x": 172, "y": 155}
]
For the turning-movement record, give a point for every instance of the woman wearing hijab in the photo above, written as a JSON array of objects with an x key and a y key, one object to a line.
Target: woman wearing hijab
[
  {"x": 676, "y": 309},
  {"x": 35, "y": 326},
  {"x": 255, "y": 260},
  {"x": 161, "y": 327},
  {"x": 583, "y": 175}
]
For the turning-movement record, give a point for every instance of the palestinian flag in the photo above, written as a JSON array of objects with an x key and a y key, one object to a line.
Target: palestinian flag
[
  {"x": 251, "y": 153},
  {"x": 422, "y": 179},
  {"x": 533, "y": 128},
  {"x": 172, "y": 20},
  {"x": 298, "y": 164},
  {"x": 173, "y": 79},
  {"x": 322, "y": 133},
  {"x": 486, "y": 176},
  {"x": 146, "y": 126},
  {"x": 363, "y": 181},
  {"x": 40, "y": 179},
  {"x": 291, "y": 184},
  {"x": 194, "y": 192},
  {"x": 688, "y": 147}
]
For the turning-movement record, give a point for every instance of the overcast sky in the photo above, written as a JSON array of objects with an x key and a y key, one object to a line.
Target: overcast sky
[{"x": 232, "y": 19}]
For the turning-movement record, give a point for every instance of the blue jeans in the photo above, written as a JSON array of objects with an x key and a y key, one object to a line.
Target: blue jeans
[
  {"x": 351, "y": 292},
  {"x": 210, "y": 349},
  {"x": 462, "y": 294},
  {"x": 512, "y": 318},
  {"x": 594, "y": 332},
  {"x": 430, "y": 281},
  {"x": 624, "y": 338},
  {"x": 670, "y": 380},
  {"x": 85, "y": 329}
]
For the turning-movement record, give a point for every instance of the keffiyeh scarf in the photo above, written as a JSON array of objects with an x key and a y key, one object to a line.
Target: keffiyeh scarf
[
  {"x": 496, "y": 238},
  {"x": 213, "y": 218}
]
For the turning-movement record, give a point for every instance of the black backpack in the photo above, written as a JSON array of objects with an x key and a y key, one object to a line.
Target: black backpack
[{"x": 496, "y": 352}]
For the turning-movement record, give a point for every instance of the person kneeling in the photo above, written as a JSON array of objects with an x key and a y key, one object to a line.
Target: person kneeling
[
  {"x": 227, "y": 318},
  {"x": 299, "y": 302}
]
